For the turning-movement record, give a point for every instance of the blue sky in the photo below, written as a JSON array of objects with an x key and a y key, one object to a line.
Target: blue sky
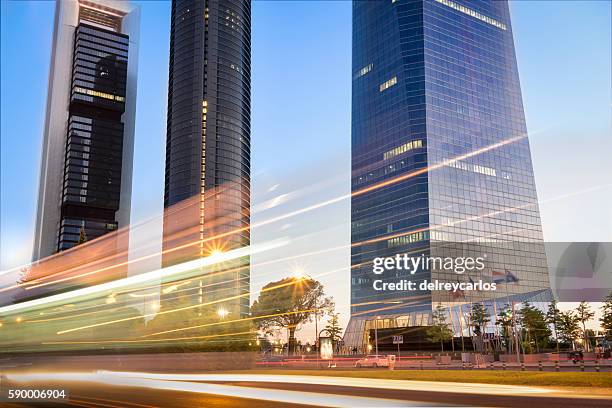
[{"x": 301, "y": 78}]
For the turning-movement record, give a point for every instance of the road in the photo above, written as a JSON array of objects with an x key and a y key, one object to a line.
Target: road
[{"x": 105, "y": 389}]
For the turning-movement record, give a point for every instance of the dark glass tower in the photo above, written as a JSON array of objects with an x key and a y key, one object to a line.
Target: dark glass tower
[
  {"x": 439, "y": 150},
  {"x": 94, "y": 144},
  {"x": 85, "y": 182},
  {"x": 207, "y": 182}
]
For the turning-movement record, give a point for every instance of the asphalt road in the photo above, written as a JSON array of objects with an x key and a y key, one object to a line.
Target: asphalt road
[{"x": 159, "y": 391}]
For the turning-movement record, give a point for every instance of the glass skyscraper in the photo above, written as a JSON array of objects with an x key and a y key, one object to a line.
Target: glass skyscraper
[
  {"x": 86, "y": 167},
  {"x": 440, "y": 156},
  {"x": 207, "y": 180}
]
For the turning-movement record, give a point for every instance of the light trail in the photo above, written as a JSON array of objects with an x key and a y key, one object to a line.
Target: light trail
[
  {"x": 208, "y": 336},
  {"x": 458, "y": 221},
  {"x": 431, "y": 386},
  {"x": 434, "y": 227},
  {"x": 177, "y": 283},
  {"x": 296, "y": 212},
  {"x": 213, "y": 302},
  {"x": 455, "y": 222},
  {"x": 145, "y": 277},
  {"x": 175, "y": 208},
  {"x": 245, "y": 319},
  {"x": 104, "y": 402},
  {"x": 263, "y": 394}
]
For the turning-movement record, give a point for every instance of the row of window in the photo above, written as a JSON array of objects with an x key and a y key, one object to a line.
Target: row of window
[
  {"x": 488, "y": 171},
  {"x": 408, "y": 239},
  {"x": 388, "y": 84},
  {"x": 472, "y": 13},
  {"x": 364, "y": 70},
  {"x": 99, "y": 94},
  {"x": 414, "y": 144}
]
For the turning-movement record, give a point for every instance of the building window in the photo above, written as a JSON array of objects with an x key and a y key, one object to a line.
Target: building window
[
  {"x": 388, "y": 84},
  {"x": 408, "y": 239},
  {"x": 415, "y": 144},
  {"x": 472, "y": 13},
  {"x": 364, "y": 70},
  {"x": 99, "y": 94},
  {"x": 487, "y": 171}
]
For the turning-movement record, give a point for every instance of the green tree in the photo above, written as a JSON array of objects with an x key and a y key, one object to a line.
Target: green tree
[
  {"x": 606, "y": 315},
  {"x": 333, "y": 327},
  {"x": 82, "y": 236},
  {"x": 535, "y": 329},
  {"x": 439, "y": 330},
  {"x": 288, "y": 303},
  {"x": 585, "y": 314},
  {"x": 504, "y": 321},
  {"x": 568, "y": 327},
  {"x": 552, "y": 318},
  {"x": 479, "y": 317}
]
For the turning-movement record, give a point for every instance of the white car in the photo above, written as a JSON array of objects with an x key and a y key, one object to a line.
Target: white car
[{"x": 373, "y": 360}]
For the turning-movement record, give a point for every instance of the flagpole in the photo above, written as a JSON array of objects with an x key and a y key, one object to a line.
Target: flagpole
[
  {"x": 508, "y": 301},
  {"x": 516, "y": 342},
  {"x": 459, "y": 313},
  {"x": 450, "y": 314},
  {"x": 495, "y": 333}
]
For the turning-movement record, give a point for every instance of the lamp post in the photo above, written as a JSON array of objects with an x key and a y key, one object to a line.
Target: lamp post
[
  {"x": 516, "y": 340},
  {"x": 222, "y": 313},
  {"x": 376, "y": 333}
]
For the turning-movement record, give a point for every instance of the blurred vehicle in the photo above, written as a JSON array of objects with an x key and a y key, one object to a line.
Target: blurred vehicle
[{"x": 373, "y": 360}]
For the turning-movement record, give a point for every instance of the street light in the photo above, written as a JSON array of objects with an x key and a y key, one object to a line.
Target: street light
[
  {"x": 298, "y": 273},
  {"x": 215, "y": 254},
  {"x": 222, "y": 313},
  {"x": 376, "y": 333}
]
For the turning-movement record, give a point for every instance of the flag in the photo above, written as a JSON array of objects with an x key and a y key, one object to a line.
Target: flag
[
  {"x": 457, "y": 294},
  {"x": 504, "y": 277},
  {"x": 473, "y": 283}
]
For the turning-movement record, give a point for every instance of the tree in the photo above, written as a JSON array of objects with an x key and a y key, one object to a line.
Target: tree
[
  {"x": 606, "y": 315},
  {"x": 288, "y": 303},
  {"x": 82, "y": 236},
  {"x": 333, "y": 327},
  {"x": 439, "y": 330},
  {"x": 504, "y": 320},
  {"x": 584, "y": 314},
  {"x": 479, "y": 317},
  {"x": 568, "y": 327},
  {"x": 552, "y": 317},
  {"x": 536, "y": 331}
]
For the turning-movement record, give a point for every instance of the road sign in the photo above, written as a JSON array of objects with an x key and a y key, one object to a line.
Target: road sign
[{"x": 398, "y": 339}]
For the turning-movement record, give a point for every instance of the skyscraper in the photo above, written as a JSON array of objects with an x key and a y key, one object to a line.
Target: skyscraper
[
  {"x": 440, "y": 154},
  {"x": 86, "y": 170},
  {"x": 207, "y": 181}
]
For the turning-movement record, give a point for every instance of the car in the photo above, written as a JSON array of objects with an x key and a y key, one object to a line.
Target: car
[{"x": 372, "y": 360}]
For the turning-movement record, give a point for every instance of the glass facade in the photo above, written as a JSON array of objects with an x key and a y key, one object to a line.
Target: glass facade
[
  {"x": 440, "y": 155},
  {"x": 94, "y": 142},
  {"x": 207, "y": 181}
]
